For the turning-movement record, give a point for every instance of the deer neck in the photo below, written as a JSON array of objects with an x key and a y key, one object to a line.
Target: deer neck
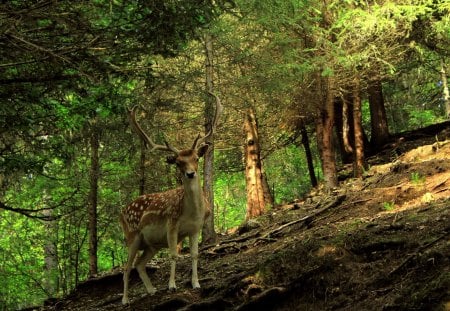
[{"x": 193, "y": 194}]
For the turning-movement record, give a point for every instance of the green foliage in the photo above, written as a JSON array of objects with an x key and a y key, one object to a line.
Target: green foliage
[
  {"x": 365, "y": 112},
  {"x": 230, "y": 200},
  {"x": 414, "y": 99},
  {"x": 417, "y": 178},
  {"x": 388, "y": 206},
  {"x": 21, "y": 261},
  {"x": 287, "y": 174},
  {"x": 65, "y": 196}
]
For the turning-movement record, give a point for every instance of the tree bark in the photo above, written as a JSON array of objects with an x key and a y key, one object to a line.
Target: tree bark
[
  {"x": 253, "y": 167},
  {"x": 209, "y": 235},
  {"x": 51, "y": 281},
  {"x": 268, "y": 196},
  {"x": 325, "y": 124},
  {"x": 445, "y": 91},
  {"x": 308, "y": 154},
  {"x": 358, "y": 167},
  {"x": 94, "y": 174},
  {"x": 378, "y": 118},
  {"x": 347, "y": 125},
  {"x": 344, "y": 128}
]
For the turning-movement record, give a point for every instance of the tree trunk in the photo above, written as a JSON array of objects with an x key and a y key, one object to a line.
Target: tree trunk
[
  {"x": 446, "y": 91},
  {"x": 94, "y": 173},
  {"x": 344, "y": 128},
  {"x": 358, "y": 168},
  {"x": 253, "y": 167},
  {"x": 51, "y": 281},
  {"x": 347, "y": 125},
  {"x": 268, "y": 196},
  {"x": 308, "y": 153},
  {"x": 378, "y": 118},
  {"x": 209, "y": 235},
  {"x": 325, "y": 124}
]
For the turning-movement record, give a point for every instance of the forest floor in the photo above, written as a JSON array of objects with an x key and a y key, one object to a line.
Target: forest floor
[{"x": 380, "y": 243}]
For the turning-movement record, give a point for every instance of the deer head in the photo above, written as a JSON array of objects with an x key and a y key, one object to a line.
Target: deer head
[{"x": 186, "y": 159}]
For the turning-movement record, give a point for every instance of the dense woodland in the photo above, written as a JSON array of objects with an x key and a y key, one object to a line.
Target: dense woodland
[{"x": 308, "y": 87}]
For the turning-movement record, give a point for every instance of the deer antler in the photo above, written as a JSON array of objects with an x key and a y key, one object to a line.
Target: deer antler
[
  {"x": 148, "y": 142},
  {"x": 219, "y": 108}
]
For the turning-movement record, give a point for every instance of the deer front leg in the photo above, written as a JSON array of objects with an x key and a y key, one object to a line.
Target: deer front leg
[
  {"x": 172, "y": 240},
  {"x": 193, "y": 246}
]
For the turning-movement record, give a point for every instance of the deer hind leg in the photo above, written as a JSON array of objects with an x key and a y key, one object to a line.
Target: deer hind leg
[
  {"x": 132, "y": 251},
  {"x": 172, "y": 240},
  {"x": 193, "y": 247},
  {"x": 140, "y": 264}
]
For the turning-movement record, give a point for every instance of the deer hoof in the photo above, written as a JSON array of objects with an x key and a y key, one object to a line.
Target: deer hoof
[{"x": 125, "y": 301}]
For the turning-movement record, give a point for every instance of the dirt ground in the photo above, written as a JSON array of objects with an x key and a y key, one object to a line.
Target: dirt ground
[{"x": 380, "y": 243}]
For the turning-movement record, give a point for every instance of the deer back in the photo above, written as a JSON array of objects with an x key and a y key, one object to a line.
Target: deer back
[{"x": 151, "y": 209}]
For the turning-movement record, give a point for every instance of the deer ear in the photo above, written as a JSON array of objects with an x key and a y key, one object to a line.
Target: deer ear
[
  {"x": 171, "y": 159},
  {"x": 202, "y": 150}
]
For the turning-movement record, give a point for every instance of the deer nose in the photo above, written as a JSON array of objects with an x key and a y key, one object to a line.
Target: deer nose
[{"x": 190, "y": 175}]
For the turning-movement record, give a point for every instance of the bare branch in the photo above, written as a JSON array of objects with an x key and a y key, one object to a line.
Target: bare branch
[
  {"x": 30, "y": 213},
  {"x": 37, "y": 213}
]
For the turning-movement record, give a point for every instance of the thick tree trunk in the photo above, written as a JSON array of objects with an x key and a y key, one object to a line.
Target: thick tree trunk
[
  {"x": 358, "y": 168},
  {"x": 446, "y": 91},
  {"x": 94, "y": 174},
  {"x": 209, "y": 235},
  {"x": 325, "y": 124},
  {"x": 378, "y": 119},
  {"x": 343, "y": 120},
  {"x": 253, "y": 167},
  {"x": 268, "y": 197}
]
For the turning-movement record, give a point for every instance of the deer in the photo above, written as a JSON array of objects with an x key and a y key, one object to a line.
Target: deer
[{"x": 161, "y": 220}]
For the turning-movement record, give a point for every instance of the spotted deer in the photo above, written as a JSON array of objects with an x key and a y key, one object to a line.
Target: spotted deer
[{"x": 160, "y": 220}]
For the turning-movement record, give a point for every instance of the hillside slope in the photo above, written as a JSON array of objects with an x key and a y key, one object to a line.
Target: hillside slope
[{"x": 381, "y": 243}]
